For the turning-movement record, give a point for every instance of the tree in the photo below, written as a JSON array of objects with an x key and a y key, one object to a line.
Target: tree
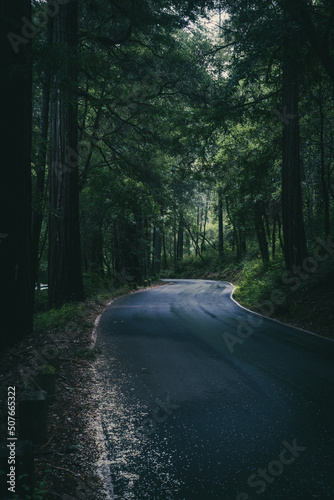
[
  {"x": 265, "y": 40},
  {"x": 138, "y": 100},
  {"x": 65, "y": 278},
  {"x": 16, "y": 283},
  {"x": 316, "y": 20},
  {"x": 39, "y": 183},
  {"x": 292, "y": 211},
  {"x": 220, "y": 224}
]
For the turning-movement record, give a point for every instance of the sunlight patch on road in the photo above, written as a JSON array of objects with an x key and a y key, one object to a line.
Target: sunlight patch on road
[{"x": 132, "y": 457}]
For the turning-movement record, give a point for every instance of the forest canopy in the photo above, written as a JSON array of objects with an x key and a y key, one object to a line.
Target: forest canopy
[{"x": 141, "y": 134}]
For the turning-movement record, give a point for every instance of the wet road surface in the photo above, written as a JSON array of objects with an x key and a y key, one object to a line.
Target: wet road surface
[{"x": 202, "y": 400}]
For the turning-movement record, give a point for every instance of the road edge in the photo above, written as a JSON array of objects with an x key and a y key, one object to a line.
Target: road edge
[
  {"x": 249, "y": 310},
  {"x": 273, "y": 319}
]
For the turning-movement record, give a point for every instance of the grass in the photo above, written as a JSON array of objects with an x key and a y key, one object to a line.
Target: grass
[
  {"x": 59, "y": 318},
  {"x": 96, "y": 290},
  {"x": 193, "y": 267},
  {"x": 257, "y": 281},
  {"x": 268, "y": 288}
]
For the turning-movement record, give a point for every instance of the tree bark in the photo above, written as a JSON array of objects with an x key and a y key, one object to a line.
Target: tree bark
[
  {"x": 220, "y": 226},
  {"x": 156, "y": 256},
  {"x": 95, "y": 251},
  {"x": 261, "y": 232},
  {"x": 164, "y": 250},
  {"x": 203, "y": 230},
  {"x": 180, "y": 240},
  {"x": 16, "y": 284},
  {"x": 292, "y": 213},
  {"x": 39, "y": 187},
  {"x": 65, "y": 279},
  {"x": 301, "y": 11},
  {"x": 273, "y": 239},
  {"x": 324, "y": 186}
]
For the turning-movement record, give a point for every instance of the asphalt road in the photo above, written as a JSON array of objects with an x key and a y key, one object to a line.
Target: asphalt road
[{"x": 202, "y": 400}]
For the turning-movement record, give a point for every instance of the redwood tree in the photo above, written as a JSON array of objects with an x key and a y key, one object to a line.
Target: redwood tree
[
  {"x": 16, "y": 286},
  {"x": 292, "y": 211},
  {"x": 65, "y": 278}
]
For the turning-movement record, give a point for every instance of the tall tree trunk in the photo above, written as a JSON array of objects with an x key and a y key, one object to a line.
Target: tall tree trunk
[
  {"x": 95, "y": 251},
  {"x": 325, "y": 190},
  {"x": 235, "y": 239},
  {"x": 195, "y": 244},
  {"x": 164, "y": 250},
  {"x": 241, "y": 243},
  {"x": 16, "y": 284},
  {"x": 302, "y": 12},
  {"x": 174, "y": 253},
  {"x": 292, "y": 212},
  {"x": 145, "y": 247},
  {"x": 204, "y": 226},
  {"x": 175, "y": 249},
  {"x": 156, "y": 255},
  {"x": 220, "y": 226},
  {"x": 273, "y": 239},
  {"x": 180, "y": 240},
  {"x": 280, "y": 234},
  {"x": 39, "y": 187},
  {"x": 65, "y": 279},
  {"x": 197, "y": 251},
  {"x": 260, "y": 231}
]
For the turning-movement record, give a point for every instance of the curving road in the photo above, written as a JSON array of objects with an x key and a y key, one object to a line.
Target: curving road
[{"x": 203, "y": 400}]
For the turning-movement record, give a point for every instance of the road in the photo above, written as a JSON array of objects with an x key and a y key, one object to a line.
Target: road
[{"x": 203, "y": 400}]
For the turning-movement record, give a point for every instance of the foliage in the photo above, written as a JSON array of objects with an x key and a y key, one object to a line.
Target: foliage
[
  {"x": 41, "y": 301},
  {"x": 180, "y": 138},
  {"x": 58, "y": 318},
  {"x": 258, "y": 280},
  {"x": 38, "y": 493},
  {"x": 47, "y": 370}
]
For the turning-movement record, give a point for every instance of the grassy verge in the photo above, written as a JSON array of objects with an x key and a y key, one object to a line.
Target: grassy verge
[
  {"x": 61, "y": 344},
  {"x": 96, "y": 292},
  {"x": 72, "y": 448},
  {"x": 303, "y": 297}
]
